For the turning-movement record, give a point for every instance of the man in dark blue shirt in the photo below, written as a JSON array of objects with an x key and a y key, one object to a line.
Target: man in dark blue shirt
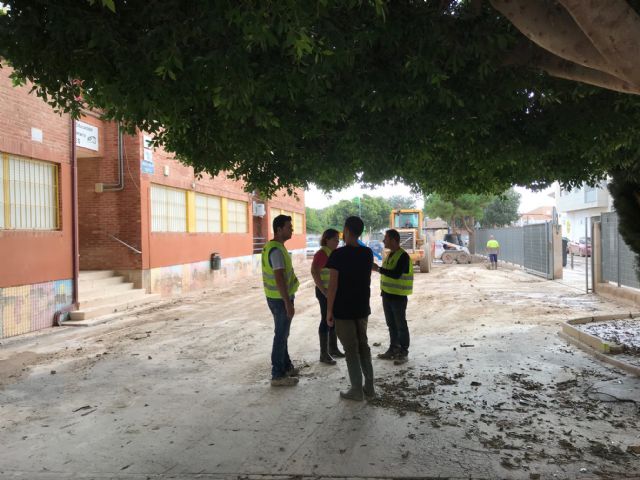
[{"x": 348, "y": 306}]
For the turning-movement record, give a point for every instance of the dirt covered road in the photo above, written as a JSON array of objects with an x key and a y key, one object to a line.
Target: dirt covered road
[{"x": 182, "y": 391}]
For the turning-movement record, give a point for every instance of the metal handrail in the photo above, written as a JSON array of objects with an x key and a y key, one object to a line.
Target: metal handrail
[{"x": 125, "y": 244}]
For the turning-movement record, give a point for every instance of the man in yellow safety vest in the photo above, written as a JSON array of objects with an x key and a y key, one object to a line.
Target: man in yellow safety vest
[
  {"x": 493, "y": 248},
  {"x": 396, "y": 283},
  {"x": 280, "y": 285}
]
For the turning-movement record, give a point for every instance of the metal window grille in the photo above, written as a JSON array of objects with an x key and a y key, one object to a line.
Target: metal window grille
[
  {"x": 297, "y": 223},
  {"x": 208, "y": 218},
  {"x": 29, "y": 197},
  {"x": 236, "y": 216},
  {"x": 168, "y": 209}
]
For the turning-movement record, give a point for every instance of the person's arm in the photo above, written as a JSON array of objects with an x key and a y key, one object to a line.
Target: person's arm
[
  {"x": 331, "y": 294},
  {"x": 284, "y": 291},
  {"x": 277, "y": 263},
  {"x": 401, "y": 267},
  {"x": 316, "y": 270}
]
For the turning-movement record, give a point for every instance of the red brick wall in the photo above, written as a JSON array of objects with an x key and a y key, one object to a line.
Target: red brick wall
[
  {"x": 163, "y": 249},
  {"x": 31, "y": 256},
  {"x": 116, "y": 213},
  {"x": 290, "y": 204}
]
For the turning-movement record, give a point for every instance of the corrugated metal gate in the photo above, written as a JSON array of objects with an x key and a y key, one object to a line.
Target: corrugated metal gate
[
  {"x": 530, "y": 246},
  {"x": 618, "y": 261},
  {"x": 538, "y": 249}
]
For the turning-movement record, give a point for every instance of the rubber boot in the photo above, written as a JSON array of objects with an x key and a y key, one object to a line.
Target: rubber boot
[
  {"x": 324, "y": 347},
  {"x": 367, "y": 370},
  {"x": 355, "y": 377},
  {"x": 334, "y": 351}
]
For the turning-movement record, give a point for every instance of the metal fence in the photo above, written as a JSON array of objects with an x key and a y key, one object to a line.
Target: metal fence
[
  {"x": 530, "y": 246},
  {"x": 618, "y": 261}
]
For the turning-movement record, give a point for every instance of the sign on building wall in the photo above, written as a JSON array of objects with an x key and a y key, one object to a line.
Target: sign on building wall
[
  {"x": 146, "y": 165},
  {"x": 87, "y": 136}
]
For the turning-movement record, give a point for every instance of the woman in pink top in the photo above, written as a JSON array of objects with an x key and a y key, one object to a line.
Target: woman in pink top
[{"x": 328, "y": 340}]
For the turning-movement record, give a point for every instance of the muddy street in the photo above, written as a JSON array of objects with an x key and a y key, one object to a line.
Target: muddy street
[{"x": 182, "y": 391}]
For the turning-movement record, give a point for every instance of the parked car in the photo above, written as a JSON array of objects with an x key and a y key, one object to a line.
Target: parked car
[
  {"x": 377, "y": 247},
  {"x": 582, "y": 247},
  {"x": 312, "y": 247}
]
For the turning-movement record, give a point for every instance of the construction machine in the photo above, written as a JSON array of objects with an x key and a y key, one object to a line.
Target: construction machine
[
  {"x": 408, "y": 223},
  {"x": 450, "y": 252}
]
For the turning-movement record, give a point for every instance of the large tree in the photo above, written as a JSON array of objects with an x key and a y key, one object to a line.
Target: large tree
[
  {"x": 446, "y": 96},
  {"x": 461, "y": 212},
  {"x": 503, "y": 210}
]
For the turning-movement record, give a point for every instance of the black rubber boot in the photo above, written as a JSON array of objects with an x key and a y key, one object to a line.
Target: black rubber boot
[
  {"x": 334, "y": 351},
  {"x": 324, "y": 347}
]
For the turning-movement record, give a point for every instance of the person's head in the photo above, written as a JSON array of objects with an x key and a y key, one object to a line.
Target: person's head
[
  {"x": 491, "y": 237},
  {"x": 330, "y": 238},
  {"x": 392, "y": 239},
  {"x": 353, "y": 228},
  {"x": 282, "y": 228}
]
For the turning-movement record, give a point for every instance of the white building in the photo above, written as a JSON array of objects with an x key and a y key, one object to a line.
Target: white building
[{"x": 579, "y": 204}]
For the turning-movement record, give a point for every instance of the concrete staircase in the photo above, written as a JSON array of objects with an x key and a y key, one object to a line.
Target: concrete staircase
[{"x": 102, "y": 293}]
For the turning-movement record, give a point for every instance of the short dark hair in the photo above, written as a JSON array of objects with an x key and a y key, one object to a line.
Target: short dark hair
[
  {"x": 280, "y": 221},
  {"x": 355, "y": 225},
  {"x": 393, "y": 234},
  {"x": 327, "y": 235}
]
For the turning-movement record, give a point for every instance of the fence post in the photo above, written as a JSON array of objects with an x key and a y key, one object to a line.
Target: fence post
[
  {"x": 596, "y": 252},
  {"x": 617, "y": 253}
]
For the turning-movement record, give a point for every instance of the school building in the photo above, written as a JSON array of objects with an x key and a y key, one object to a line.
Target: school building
[{"x": 93, "y": 221}]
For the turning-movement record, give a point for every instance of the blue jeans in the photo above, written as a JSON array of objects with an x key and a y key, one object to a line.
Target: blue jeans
[{"x": 280, "y": 361}]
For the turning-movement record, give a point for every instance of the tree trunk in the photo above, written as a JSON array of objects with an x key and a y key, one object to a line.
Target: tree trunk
[{"x": 591, "y": 42}]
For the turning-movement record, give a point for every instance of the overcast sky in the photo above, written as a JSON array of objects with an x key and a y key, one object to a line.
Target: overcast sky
[{"x": 315, "y": 198}]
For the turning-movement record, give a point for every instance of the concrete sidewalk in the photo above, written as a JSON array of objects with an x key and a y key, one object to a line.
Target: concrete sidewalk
[{"x": 183, "y": 392}]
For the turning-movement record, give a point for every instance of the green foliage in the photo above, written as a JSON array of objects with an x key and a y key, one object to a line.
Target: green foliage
[
  {"x": 503, "y": 210},
  {"x": 399, "y": 201},
  {"x": 374, "y": 212},
  {"x": 625, "y": 191},
  {"x": 315, "y": 221},
  {"x": 279, "y": 94},
  {"x": 462, "y": 211}
]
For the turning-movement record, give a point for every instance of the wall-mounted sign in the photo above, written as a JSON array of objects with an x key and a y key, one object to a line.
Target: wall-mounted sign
[
  {"x": 146, "y": 165},
  {"x": 87, "y": 136}
]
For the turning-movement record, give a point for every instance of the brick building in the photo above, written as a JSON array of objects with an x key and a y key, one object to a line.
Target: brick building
[{"x": 140, "y": 214}]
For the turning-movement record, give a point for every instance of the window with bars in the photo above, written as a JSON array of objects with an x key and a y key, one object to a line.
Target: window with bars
[
  {"x": 236, "y": 216},
  {"x": 208, "y": 218},
  {"x": 168, "y": 209},
  {"x": 298, "y": 223},
  {"x": 29, "y": 198}
]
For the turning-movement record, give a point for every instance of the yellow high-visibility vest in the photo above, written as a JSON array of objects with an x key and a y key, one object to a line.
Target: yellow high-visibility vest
[
  {"x": 268, "y": 276},
  {"x": 324, "y": 273},
  {"x": 493, "y": 245},
  {"x": 399, "y": 286}
]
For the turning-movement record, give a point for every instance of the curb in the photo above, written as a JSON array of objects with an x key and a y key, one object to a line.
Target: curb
[{"x": 595, "y": 346}]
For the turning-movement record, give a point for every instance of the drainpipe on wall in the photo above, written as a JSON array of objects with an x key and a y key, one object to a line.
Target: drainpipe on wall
[
  {"x": 58, "y": 316},
  {"x": 115, "y": 187}
]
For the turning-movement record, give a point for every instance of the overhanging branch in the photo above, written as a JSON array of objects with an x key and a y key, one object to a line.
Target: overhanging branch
[{"x": 613, "y": 28}]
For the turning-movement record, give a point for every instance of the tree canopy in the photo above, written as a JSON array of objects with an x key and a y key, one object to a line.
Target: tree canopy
[
  {"x": 374, "y": 212},
  {"x": 446, "y": 96},
  {"x": 461, "y": 212},
  {"x": 280, "y": 94},
  {"x": 502, "y": 211}
]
